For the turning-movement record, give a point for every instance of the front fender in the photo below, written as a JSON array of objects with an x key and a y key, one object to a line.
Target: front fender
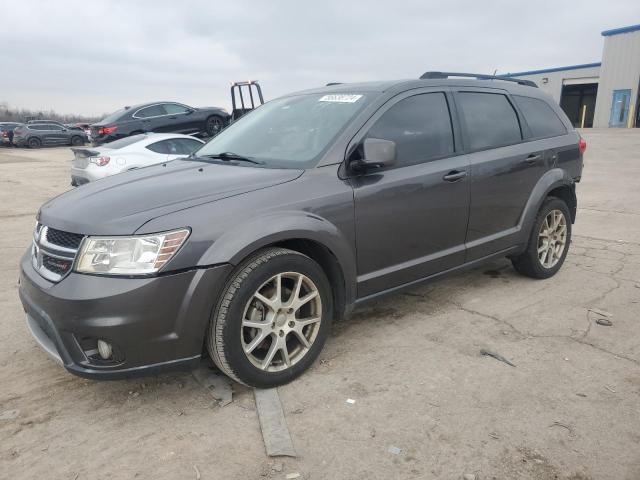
[{"x": 237, "y": 243}]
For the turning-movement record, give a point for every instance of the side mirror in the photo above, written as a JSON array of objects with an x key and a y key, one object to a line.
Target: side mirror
[
  {"x": 188, "y": 112},
  {"x": 378, "y": 153}
]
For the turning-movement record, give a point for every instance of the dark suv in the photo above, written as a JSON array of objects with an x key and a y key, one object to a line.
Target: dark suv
[
  {"x": 310, "y": 205},
  {"x": 36, "y": 135},
  {"x": 163, "y": 117}
]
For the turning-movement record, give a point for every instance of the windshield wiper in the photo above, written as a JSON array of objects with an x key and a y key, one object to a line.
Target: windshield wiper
[{"x": 230, "y": 156}]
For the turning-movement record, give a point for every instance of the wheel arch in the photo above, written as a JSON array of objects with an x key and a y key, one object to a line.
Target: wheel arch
[
  {"x": 302, "y": 232},
  {"x": 556, "y": 183},
  {"x": 567, "y": 193}
]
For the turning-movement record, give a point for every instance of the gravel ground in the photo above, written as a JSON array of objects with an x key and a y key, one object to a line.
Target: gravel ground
[{"x": 427, "y": 404}]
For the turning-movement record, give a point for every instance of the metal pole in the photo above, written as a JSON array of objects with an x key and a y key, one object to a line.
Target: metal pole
[
  {"x": 630, "y": 120},
  {"x": 584, "y": 114}
]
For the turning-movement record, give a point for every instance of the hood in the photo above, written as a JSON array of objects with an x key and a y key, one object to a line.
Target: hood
[{"x": 121, "y": 204}]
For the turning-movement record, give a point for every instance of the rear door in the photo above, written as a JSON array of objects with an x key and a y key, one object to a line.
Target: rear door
[
  {"x": 504, "y": 168},
  {"x": 44, "y": 132},
  {"x": 411, "y": 218}
]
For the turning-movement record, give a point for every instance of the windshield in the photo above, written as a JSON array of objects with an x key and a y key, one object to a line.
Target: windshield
[{"x": 290, "y": 132}]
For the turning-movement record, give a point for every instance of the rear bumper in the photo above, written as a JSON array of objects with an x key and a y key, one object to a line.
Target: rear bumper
[
  {"x": 80, "y": 176},
  {"x": 154, "y": 324}
]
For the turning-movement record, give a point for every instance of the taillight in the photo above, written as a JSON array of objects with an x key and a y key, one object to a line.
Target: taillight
[
  {"x": 106, "y": 130},
  {"x": 582, "y": 145},
  {"x": 100, "y": 161}
]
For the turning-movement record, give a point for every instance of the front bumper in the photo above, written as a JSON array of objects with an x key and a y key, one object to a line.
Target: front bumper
[{"x": 155, "y": 324}]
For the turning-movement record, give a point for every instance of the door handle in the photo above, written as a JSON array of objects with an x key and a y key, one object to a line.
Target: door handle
[
  {"x": 531, "y": 159},
  {"x": 455, "y": 175}
]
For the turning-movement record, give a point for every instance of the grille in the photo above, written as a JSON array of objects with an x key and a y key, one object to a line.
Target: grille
[
  {"x": 64, "y": 239},
  {"x": 54, "y": 252},
  {"x": 56, "y": 265}
]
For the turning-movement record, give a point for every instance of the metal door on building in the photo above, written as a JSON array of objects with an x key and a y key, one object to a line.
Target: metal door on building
[{"x": 620, "y": 108}]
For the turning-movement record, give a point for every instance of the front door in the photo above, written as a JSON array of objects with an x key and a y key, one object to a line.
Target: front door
[
  {"x": 411, "y": 218},
  {"x": 180, "y": 119},
  {"x": 620, "y": 108}
]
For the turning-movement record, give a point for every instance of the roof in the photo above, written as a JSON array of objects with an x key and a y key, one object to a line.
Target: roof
[
  {"x": 405, "y": 84},
  {"x": 618, "y": 31},
  {"x": 554, "y": 69}
]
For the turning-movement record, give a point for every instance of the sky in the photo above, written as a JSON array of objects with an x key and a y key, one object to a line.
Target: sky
[{"x": 93, "y": 57}]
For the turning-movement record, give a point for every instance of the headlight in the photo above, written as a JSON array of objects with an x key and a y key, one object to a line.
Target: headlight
[{"x": 138, "y": 255}]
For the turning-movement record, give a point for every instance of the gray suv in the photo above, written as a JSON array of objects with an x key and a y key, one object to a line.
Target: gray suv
[
  {"x": 37, "y": 134},
  {"x": 307, "y": 207}
]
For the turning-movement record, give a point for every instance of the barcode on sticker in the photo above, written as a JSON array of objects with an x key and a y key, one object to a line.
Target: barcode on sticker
[{"x": 340, "y": 98}]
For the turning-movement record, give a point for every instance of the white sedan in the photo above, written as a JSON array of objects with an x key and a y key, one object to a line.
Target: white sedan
[{"x": 128, "y": 153}]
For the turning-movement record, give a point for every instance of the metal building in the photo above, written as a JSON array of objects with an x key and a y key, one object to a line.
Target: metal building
[{"x": 603, "y": 94}]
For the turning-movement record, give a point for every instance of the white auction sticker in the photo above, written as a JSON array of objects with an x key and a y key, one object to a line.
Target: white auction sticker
[{"x": 340, "y": 98}]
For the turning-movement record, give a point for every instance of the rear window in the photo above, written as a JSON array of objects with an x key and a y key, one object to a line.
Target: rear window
[
  {"x": 115, "y": 116},
  {"x": 490, "y": 119},
  {"x": 540, "y": 117}
]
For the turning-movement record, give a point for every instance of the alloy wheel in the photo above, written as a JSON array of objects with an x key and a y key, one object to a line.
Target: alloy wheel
[
  {"x": 281, "y": 321},
  {"x": 552, "y": 239}
]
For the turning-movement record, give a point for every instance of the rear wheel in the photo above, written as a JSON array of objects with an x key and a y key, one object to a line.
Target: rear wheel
[
  {"x": 213, "y": 125},
  {"x": 77, "y": 141},
  {"x": 34, "y": 142},
  {"x": 548, "y": 242},
  {"x": 273, "y": 318}
]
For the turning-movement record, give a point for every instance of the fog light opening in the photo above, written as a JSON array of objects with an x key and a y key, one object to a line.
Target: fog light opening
[{"x": 105, "y": 350}]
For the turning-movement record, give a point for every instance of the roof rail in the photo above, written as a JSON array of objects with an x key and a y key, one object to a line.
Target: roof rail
[
  {"x": 479, "y": 76},
  {"x": 333, "y": 83}
]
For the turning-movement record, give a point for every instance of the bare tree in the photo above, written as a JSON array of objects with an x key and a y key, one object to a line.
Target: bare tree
[{"x": 12, "y": 114}]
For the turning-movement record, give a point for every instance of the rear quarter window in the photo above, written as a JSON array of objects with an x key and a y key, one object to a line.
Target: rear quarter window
[
  {"x": 490, "y": 119},
  {"x": 542, "y": 120}
]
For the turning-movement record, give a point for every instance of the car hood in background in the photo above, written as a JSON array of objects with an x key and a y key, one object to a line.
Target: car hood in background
[{"x": 121, "y": 204}]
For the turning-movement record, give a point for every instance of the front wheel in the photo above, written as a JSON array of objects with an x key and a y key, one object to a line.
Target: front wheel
[
  {"x": 548, "y": 242},
  {"x": 272, "y": 320}
]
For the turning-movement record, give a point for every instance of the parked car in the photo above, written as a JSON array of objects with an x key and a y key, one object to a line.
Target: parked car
[
  {"x": 313, "y": 204},
  {"x": 137, "y": 151},
  {"x": 6, "y": 133},
  {"x": 36, "y": 135},
  {"x": 163, "y": 117}
]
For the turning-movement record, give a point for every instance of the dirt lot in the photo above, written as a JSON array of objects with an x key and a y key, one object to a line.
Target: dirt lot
[{"x": 570, "y": 409}]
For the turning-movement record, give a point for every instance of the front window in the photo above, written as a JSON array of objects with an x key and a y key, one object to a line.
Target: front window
[{"x": 290, "y": 132}]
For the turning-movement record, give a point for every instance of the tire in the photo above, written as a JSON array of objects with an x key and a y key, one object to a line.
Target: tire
[
  {"x": 34, "y": 142},
  {"x": 213, "y": 125},
  {"x": 228, "y": 335},
  {"x": 530, "y": 262},
  {"x": 77, "y": 141}
]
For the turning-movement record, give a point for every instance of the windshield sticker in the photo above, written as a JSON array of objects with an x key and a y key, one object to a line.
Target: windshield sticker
[{"x": 340, "y": 98}]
